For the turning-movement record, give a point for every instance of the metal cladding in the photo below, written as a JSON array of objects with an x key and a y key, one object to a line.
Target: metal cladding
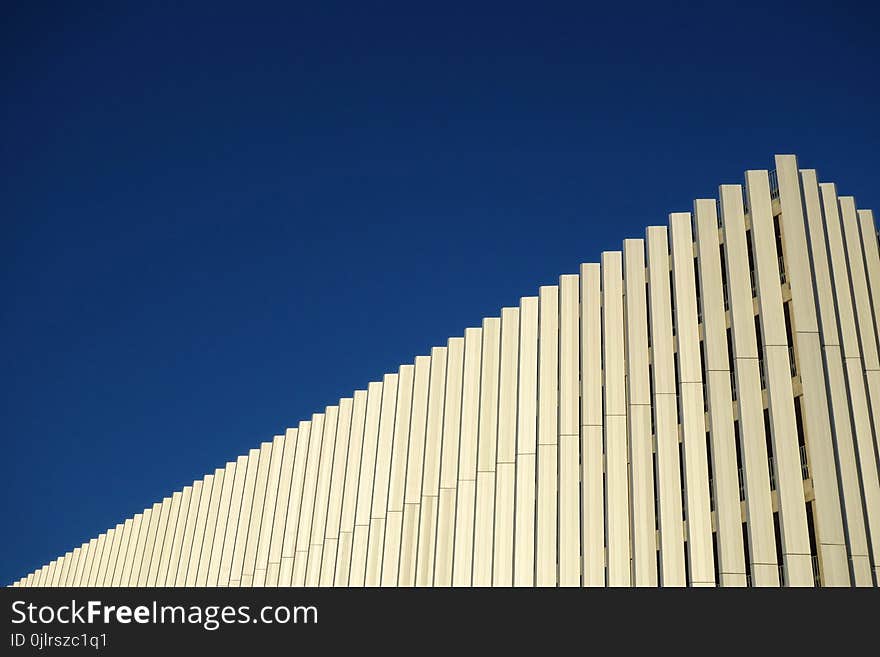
[{"x": 701, "y": 408}]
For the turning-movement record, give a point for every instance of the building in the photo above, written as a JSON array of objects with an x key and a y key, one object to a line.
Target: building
[{"x": 701, "y": 408}]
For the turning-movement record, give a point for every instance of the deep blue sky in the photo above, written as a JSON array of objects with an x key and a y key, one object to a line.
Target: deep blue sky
[{"x": 218, "y": 219}]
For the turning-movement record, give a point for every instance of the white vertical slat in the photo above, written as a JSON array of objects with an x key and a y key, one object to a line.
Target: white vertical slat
[
  {"x": 841, "y": 426},
  {"x": 307, "y": 507},
  {"x": 255, "y": 525},
  {"x": 379, "y": 507},
  {"x": 415, "y": 461},
  {"x": 526, "y": 444},
  {"x": 361, "y": 534},
  {"x": 462, "y": 567},
  {"x": 337, "y": 488},
  {"x": 753, "y": 445},
  {"x": 198, "y": 573},
  {"x": 546, "y": 546},
  {"x": 505, "y": 456},
  {"x": 693, "y": 421},
  {"x": 352, "y": 485},
  {"x": 484, "y": 520},
  {"x": 616, "y": 444},
  {"x": 446, "y": 500},
  {"x": 322, "y": 495},
  {"x": 267, "y": 515},
  {"x": 592, "y": 423},
  {"x": 641, "y": 458},
  {"x": 431, "y": 469},
  {"x": 397, "y": 478},
  {"x": 716, "y": 370},
  {"x": 568, "y": 428},
  {"x": 816, "y": 418},
  {"x": 783, "y": 432}
]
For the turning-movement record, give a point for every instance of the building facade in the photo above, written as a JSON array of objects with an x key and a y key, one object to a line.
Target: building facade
[{"x": 701, "y": 408}]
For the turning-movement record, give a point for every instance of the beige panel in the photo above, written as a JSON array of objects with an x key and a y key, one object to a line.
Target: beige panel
[
  {"x": 95, "y": 560},
  {"x": 505, "y": 468},
  {"x": 111, "y": 562},
  {"x": 306, "y": 512},
  {"x": 63, "y": 565},
  {"x": 54, "y": 569},
  {"x": 294, "y": 504},
  {"x": 783, "y": 432},
  {"x": 177, "y": 577},
  {"x": 132, "y": 568},
  {"x": 641, "y": 458},
  {"x": 164, "y": 535},
  {"x": 349, "y": 495},
  {"x": 828, "y": 520},
  {"x": 592, "y": 422},
  {"x": 862, "y": 423},
  {"x": 548, "y": 420},
  {"x": 276, "y": 528},
  {"x": 42, "y": 578},
  {"x": 717, "y": 372},
  {"x": 194, "y": 549},
  {"x": 322, "y": 495},
  {"x": 462, "y": 567},
  {"x": 218, "y": 535},
  {"x": 871, "y": 253},
  {"x": 70, "y": 569},
  {"x": 270, "y": 500},
  {"x": 381, "y": 480},
  {"x": 183, "y": 520},
  {"x": 66, "y": 566},
  {"x": 526, "y": 444},
  {"x": 61, "y": 573},
  {"x": 445, "y": 537},
  {"x": 197, "y": 575},
  {"x": 484, "y": 519},
  {"x": 122, "y": 573},
  {"x": 48, "y": 576},
  {"x": 337, "y": 487},
  {"x": 85, "y": 550},
  {"x": 99, "y": 563},
  {"x": 857, "y": 402},
  {"x": 415, "y": 465},
  {"x": 431, "y": 469},
  {"x": 70, "y": 564},
  {"x": 616, "y": 444},
  {"x": 672, "y": 571},
  {"x": 255, "y": 522},
  {"x": 129, "y": 565},
  {"x": 448, "y": 476},
  {"x": 568, "y": 428},
  {"x": 753, "y": 445},
  {"x": 857, "y": 539},
  {"x": 365, "y": 490},
  {"x": 871, "y": 256},
  {"x": 139, "y": 576},
  {"x": 244, "y": 517},
  {"x": 867, "y": 348},
  {"x": 70, "y": 575},
  {"x": 859, "y": 282},
  {"x": 233, "y": 522},
  {"x": 106, "y": 557},
  {"x": 397, "y": 477},
  {"x": 868, "y": 334},
  {"x": 693, "y": 423}
]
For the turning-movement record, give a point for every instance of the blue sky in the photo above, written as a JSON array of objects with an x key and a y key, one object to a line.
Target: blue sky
[{"x": 217, "y": 219}]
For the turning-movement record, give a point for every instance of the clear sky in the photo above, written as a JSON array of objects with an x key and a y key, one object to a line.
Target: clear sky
[{"x": 218, "y": 219}]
